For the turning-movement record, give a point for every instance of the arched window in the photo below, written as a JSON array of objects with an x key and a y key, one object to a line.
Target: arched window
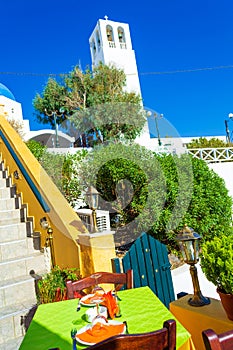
[
  {"x": 109, "y": 33},
  {"x": 98, "y": 40},
  {"x": 121, "y": 37},
  {"x": 121, "y": 34},
  {"x": 93, "y": 47}
]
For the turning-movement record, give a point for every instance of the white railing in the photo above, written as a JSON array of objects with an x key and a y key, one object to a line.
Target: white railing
[
  {"x": 213, "y": 155},
  {"x": 123, "y": 46},
  {"x": 112, "y": 44}
]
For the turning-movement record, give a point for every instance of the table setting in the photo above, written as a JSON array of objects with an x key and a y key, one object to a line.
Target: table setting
[
  {"x": 102, "y": 311},
  {"x": 78, "y": 323}
]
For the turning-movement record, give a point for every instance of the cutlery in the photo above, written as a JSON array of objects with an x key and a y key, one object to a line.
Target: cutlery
[
  {"x": 73, "y": 334},
  {"x": 126, "y": 327},
  {"x": 79, "y": 305}
]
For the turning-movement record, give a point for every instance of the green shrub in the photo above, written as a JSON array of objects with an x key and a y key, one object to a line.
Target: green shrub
[
  {"x": 217, "y": 261},
  {"x": 36, "y": 148},
  {"x": 166, "y": 192}
]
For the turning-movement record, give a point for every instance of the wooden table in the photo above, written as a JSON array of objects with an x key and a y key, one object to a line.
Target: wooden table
[
  {"x": 196, "y": 319},
  {"x": 140, "y": 307}
]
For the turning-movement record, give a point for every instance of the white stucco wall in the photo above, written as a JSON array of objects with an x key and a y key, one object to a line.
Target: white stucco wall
[{"x": 225, "y": 170}]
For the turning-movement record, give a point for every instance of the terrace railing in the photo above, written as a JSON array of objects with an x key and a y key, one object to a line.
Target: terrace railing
[{"x": 213, "y": 155}]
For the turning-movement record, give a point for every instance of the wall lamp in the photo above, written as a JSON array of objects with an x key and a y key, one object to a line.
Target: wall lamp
[{"x": 49, "y": 240}]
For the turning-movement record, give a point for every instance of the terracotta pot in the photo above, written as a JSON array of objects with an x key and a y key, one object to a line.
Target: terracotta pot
[{"x": 227, "y": 303}]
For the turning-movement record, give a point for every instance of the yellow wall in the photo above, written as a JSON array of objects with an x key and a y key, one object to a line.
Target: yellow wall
[{"x": 65, "y": 223}]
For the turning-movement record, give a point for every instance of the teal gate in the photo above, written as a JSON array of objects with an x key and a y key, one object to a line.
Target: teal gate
[{"x": 148, "y": 258}]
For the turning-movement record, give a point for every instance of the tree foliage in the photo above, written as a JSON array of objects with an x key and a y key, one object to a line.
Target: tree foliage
[
  {"x": 93, "y": 102},
  {"x": 203, "y": 142},
  {"x": 63, "y": 169},
  {"x": 158, "y": 194},
  {"x": 48, "y": 105}
]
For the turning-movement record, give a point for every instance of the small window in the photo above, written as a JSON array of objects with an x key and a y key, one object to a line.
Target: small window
[
  {"x": 98, "y": 39},
  {"x": 93, "y": 47},
  {"x": 109, "y": 33},
  {"x": 121, "y": 34}
]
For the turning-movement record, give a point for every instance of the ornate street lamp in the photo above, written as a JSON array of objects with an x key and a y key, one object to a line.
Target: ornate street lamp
[
  {"x": 189, "y": 245},
  {"x": 92, "y": 196},
  {"x": 156, "y": 116},
  {"x": 228, "y": 136},
  {"x": 55, "y": 114}
]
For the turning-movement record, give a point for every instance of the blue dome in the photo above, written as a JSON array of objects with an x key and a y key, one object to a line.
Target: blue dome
[{"x": 6, "y": 92}]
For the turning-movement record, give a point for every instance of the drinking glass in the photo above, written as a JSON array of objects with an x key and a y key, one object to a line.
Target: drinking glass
[{"x": 96, "y": 287}]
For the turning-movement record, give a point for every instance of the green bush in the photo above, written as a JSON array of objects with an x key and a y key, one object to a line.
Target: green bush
[
  {"x": 217, "y": 261},
  {"x": 36, "y": 148},
  {"x": 166, "y": 192}
]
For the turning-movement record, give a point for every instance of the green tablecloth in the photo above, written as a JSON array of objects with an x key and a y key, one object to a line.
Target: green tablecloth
[{"x": 140, "y": 307}]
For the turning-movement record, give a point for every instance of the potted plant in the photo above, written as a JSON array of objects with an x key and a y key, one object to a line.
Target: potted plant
[
  {"x": 52, "y": 286},
  {"x": 217, "y": 265}
]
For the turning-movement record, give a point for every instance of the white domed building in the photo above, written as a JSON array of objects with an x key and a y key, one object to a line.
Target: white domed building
[{"x": 12, "y": 108}]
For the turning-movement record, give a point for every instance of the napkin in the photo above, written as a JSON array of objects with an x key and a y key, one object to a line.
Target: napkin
[
  {"x": 100, "y": 332},
  {"x": 110, "y": 303}
]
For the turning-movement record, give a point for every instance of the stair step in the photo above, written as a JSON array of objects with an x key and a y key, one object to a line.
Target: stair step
[
  {"x": 21, "y": 266},
  {"x": 7, "y": 204},
  {"x": 16, "y": 249},
  {"x": 3, "y": 183},
  {"x": 3, "y": 174},
  {"x": 12, "y": 344},
  {"x": 10, "y": 215},
  {"x": 13, "y": 319},
  {"x": 13, "y": 232},
  {"x": 5, "y": 192},
  {"x": 15, "y": 290}
]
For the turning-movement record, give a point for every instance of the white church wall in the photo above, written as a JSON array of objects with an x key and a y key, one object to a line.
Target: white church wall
[
  {"x": 12, "y": 108},
  {"x": 225, "y": 171}
]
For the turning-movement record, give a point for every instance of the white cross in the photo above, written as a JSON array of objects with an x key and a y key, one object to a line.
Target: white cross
[{"x": 106, "y": 18}]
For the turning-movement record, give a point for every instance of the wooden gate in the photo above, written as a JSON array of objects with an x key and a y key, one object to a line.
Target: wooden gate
[{"x": 151, "y": 267}]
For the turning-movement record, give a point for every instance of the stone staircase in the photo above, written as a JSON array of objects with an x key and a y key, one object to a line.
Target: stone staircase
[{"x": 20, "y": 259}]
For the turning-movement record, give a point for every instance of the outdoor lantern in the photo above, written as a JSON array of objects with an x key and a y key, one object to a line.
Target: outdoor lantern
[
  {"x": 92, "y": 196},
  {"x": 189, "y": 245},
  {"x": 49, "y": 240}
]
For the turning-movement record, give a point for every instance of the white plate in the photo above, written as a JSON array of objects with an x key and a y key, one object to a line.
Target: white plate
[
  {"x": 82, "y": 301},
  {"x": 88, "y": 326}
]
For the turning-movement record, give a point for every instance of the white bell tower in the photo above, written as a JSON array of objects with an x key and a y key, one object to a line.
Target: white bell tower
[{"x": 110, "y": 43}]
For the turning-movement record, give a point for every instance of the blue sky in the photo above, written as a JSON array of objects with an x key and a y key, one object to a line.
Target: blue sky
[{"x": 180, "y": 37}]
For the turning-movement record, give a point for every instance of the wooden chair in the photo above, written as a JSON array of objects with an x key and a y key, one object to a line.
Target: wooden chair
[
  {"x": 118, "y": 279},
  {"x": 162, "y": 339},
  {"x": 214, "y": 341}
]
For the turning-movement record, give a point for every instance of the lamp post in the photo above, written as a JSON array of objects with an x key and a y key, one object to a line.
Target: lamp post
[
  {"x": 92, "y": 196},
  {"x": 55, "y": 114},
  {"x": 189, "y": 245},
  {"x": 228, "y": 137},
  {"x": 49, "y": 240},
  {"x": 156, "y": 117}
]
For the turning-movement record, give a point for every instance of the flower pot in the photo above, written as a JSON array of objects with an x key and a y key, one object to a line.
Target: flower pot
[{"x": 227, "y": 303}]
